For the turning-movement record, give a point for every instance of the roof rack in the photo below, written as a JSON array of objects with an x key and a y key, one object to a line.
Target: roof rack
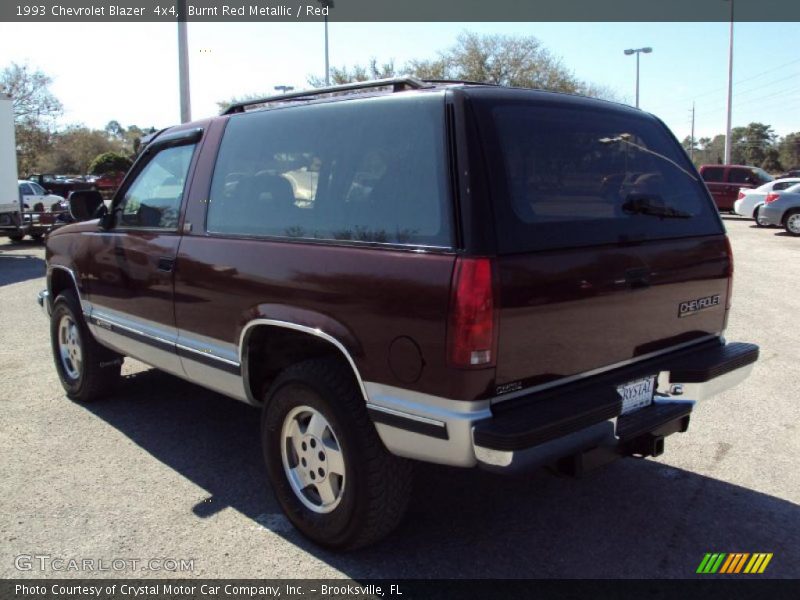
[
  {"x": 456, "y": 81},
  {"x": 398, "y": 84}
]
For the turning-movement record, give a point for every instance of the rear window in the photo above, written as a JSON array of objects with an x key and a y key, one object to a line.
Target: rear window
[
  {"x": 361, "y": 171},
  {"x": 567, "y": 176}
]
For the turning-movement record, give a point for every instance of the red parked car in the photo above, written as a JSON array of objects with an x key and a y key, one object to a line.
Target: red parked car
[{"x": 724, "y": 182}]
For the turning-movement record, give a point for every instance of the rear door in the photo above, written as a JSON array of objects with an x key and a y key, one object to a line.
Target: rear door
[
  {"x": 714, "y": 178},
  {"x": 609, "y": 248}
]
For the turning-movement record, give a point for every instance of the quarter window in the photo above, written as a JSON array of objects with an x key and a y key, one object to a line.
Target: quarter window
[
  {"x": 154, "y": 198},
  {"x": 370, "y": 171}
]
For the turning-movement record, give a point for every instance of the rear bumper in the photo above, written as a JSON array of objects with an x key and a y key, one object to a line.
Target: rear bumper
[
  {"x": 543, "y": 427},
  {"x": 771, "y": 215}
]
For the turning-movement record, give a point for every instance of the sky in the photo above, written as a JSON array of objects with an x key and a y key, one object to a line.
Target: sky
[{"x": 128, "y": 72}]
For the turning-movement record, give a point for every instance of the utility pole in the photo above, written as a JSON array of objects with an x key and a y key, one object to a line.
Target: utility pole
[
  {"x": 691, "y": 147},
  {"x": 327, "y": 4},
  {"x": 183, "y": 64},
  {"x": 730, "y": 92}
]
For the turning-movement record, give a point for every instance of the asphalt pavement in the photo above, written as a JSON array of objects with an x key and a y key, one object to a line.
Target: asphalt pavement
[{"x": 166, "y": 470}]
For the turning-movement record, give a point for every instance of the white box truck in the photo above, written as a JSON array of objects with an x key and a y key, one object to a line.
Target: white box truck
[
  {"x": 25, "y": 207},
  {"x": 11, "y": 221}
]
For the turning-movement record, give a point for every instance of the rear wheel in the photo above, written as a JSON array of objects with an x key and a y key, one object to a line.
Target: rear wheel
[
  {"x": 329, "y": 471},
  {"x": 37, "y": 237},
  {"x": 792, "y": 222},
  {"x": 86, "y": 369},
  {"x": 755, "y": 216},
  {"x": 16, "y": 237}
]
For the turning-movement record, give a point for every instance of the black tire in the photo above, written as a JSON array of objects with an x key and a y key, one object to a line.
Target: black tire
[
  {"x": 37, "y": 237},
  {"x": 755, "y": 216},
  {"x": 792, "y": 228},
  {"x": 16, "y": 237},
  {"x": 377, "y": 485},
  {"x": 97, "y": 372}
]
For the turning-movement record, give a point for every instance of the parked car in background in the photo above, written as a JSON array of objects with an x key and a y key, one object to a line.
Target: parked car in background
[
  {"x": 782, "y": 208},
  {"x": 725, "y": 181},
  {"x": 107, "y": 183},
  {"x": 789, "y": 173},
  {"x": 35, "y": 197},
  {"x": 750, "y": 200},
  {"x": 61, "y": 185}
]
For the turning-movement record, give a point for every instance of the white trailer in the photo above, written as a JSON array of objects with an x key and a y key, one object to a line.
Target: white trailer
[
  {"x": 10, "y": 214},
  {"x": 16, "y": 218}
]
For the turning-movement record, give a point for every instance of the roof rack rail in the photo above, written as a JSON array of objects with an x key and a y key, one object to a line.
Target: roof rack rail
[
  {"x": 464, "y": 81},
  {"x": 398, "y": 84}
]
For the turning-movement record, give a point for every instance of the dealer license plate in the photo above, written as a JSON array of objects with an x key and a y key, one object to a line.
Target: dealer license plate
[{"x": 637, "y": 394}]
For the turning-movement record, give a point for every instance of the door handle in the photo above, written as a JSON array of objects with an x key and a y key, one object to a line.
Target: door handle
[{"x": 166, "y": 264}]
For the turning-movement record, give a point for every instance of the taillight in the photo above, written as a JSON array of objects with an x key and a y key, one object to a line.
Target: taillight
[
  {"x": 771, "y": 198},
  {"x": 730, "y": 275},
  {"x": 471, "y": 328},
  {"x": 741, "y": 195}
]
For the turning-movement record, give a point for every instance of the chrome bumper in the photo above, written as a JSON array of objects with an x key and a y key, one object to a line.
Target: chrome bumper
[
  {"x": 450, "y": 432},
  {"x": 44, "y": 302}
]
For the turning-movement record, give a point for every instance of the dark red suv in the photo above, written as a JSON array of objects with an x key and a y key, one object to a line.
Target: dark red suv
[
  {"x": 461, "y": 274},
  {"x": 725, "y": 181}
]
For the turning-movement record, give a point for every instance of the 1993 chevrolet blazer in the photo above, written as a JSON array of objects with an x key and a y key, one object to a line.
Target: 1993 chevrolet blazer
[{"x": 454, "y": 273}]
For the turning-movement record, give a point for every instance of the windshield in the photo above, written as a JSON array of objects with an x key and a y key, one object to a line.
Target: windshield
[{"x": 567, "y": 175}]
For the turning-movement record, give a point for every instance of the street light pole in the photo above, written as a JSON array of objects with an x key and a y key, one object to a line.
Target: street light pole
[
  {"x": 183, "y": 65},
  {"x": 328, "y": 4},
  {"x": 637, "y": 51},
  {"x": 730, "y": 92},
  {"x": 284, "y": 88}
]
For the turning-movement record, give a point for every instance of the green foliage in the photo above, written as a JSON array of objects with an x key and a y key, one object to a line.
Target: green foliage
[
  {"x": 35, "y": 110},
  {"x": 109, "y": 162},
  {"x": 518, "y": 61},
  {"x": 789, "y": 151}
]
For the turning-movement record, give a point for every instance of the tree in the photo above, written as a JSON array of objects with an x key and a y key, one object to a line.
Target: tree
[
  {"x": 35, "y": 110},
  {"x": 109, "y": 162},
  {"x": 115, "y": 130},
  {"x": 749, "y": 144},
  {"x": 72, "y": 150},
  {"x": 789, "y": 149},
  {"x": 772, "y": 162},
  {"x": 518, "y": 61},
  {"x": 358, "y": 73}
]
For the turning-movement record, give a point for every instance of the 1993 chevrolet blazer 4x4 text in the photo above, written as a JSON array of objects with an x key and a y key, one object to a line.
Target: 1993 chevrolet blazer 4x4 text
[{"x": 454, "y": 273}]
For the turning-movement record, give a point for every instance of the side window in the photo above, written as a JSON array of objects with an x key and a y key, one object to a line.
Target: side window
[
  {"x": 713, "y": 174},
  {"x": 25, "y": 189},
  {"x": 154, "y": 198},
  {"x": 370, "y": 171},
  {"x": 38, "y": 190},
  {"x": 740, "y": 176},
  {"x": 782, "y": 185}
]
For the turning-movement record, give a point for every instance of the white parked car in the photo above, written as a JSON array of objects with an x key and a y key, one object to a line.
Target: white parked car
[
  {"x": 751, "y": 200},
  {"x": 31, "y": 194}
]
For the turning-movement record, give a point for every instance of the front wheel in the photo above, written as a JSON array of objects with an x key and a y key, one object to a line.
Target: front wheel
[
  {"x": 86, "y": 369},
  {"x": 791, "y": 222},
  {"x": 329, "y": 471},
  {"x": 16, "y": 237}
]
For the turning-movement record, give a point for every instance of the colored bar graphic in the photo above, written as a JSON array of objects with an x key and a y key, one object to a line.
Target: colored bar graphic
[{"x": 723, "y": 563}]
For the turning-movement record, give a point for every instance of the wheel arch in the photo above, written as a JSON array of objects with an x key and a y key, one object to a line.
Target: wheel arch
[
  {"x": 60, "y": 278},
  {"x": 297, "y": 341}
]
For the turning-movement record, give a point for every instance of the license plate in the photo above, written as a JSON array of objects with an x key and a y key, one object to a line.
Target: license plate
[{"x": 637, "y": 394}]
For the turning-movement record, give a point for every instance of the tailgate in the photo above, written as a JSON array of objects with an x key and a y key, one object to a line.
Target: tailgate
[{"x": 570, "y": 312}]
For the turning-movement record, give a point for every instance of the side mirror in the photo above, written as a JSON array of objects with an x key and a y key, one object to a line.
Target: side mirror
[
  {"x": 83, "y": 204},
  {"x": 106, "y": 218}
]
